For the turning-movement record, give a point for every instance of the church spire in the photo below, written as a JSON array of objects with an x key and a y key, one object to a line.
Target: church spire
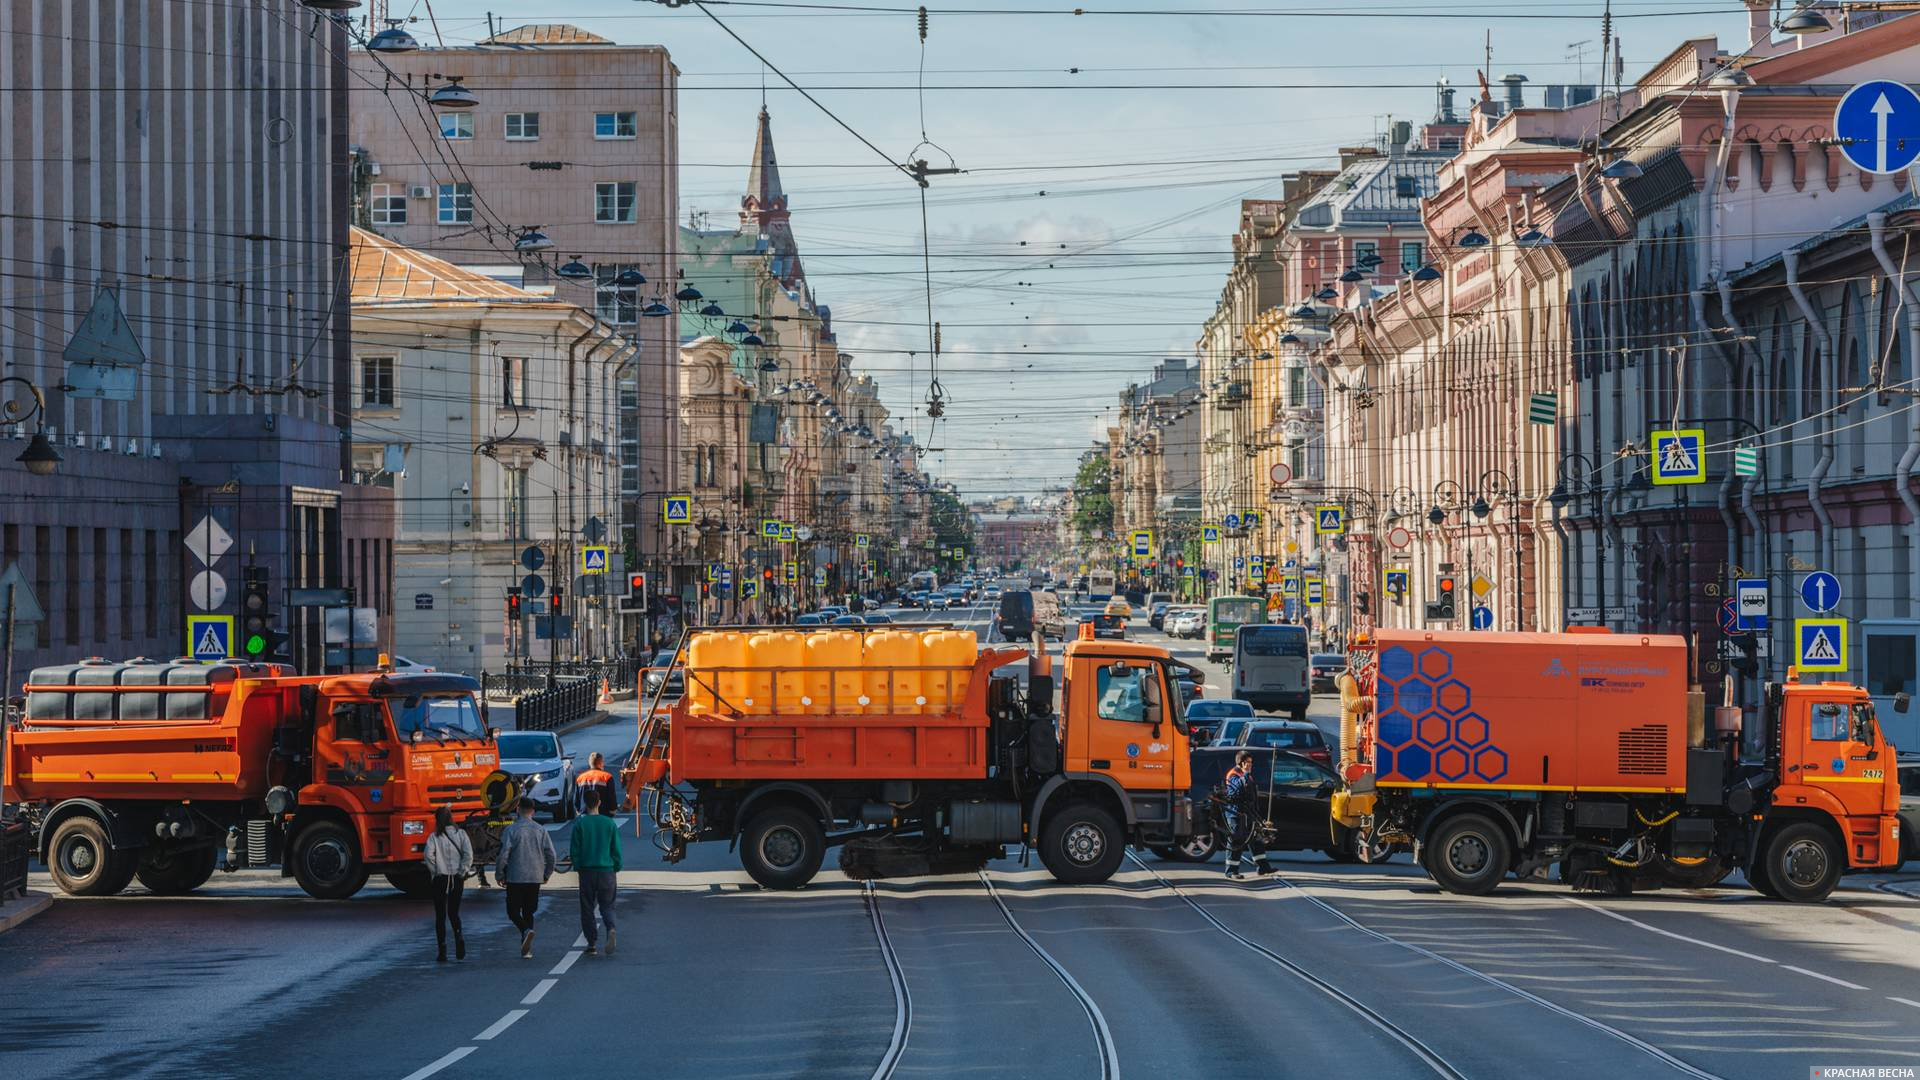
[{"x": 764, "y": 197}]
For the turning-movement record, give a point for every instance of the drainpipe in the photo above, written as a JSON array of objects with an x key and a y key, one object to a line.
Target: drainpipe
[
  {"x": 1791, "y": 261},
  {"x": 1709, "y": 263},
  {"x": 1730, "y": 351},
  {"x": 1903, "y": 472}
]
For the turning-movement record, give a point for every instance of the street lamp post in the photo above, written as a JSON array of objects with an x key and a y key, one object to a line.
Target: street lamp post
[{"x": 40, "y": 458}]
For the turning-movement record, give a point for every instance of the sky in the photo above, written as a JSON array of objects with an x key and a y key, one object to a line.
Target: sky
[{"x": 1105, "y": 157}]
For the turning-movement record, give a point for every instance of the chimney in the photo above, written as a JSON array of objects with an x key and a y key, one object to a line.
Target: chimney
[
  {"x": 1759, "y": 22},
  {"x": 1513, "y": 83},
  {"x": 1402, "y": 134},
  {"x": 1580, "y": 95},
  {"x": 1556, "y": 97},
  {"x": 1443, "y": 104}
]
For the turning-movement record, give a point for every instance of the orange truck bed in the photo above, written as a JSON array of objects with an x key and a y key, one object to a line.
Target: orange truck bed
[
  {"x": 1545, "y": 712},
  {"x": 730, "y": 745}
]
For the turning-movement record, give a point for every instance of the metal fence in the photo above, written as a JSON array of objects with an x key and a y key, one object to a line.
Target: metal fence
[
  {"x": 567, "y": 700},
  {"x": 508, "y": 685},
  {"x": 16, "y": 844},
  {"x": 621, "y": 673}
]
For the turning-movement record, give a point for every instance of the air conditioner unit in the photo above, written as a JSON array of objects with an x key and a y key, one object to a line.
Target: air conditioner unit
[{"x": 420, "y": 191}]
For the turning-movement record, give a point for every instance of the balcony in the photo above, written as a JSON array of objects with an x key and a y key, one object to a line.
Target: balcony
[{"x": 1231, "y": 396}]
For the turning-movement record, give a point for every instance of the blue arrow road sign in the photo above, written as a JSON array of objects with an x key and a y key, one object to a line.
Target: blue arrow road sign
[
  {"x": 1483, "y": 618},
  {"x": 1877, "y": 125},
  {"x": 1820, "y": 591}
]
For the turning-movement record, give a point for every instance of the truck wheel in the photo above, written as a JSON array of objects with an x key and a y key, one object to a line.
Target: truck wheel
[
  {"x": 326, "y": 862},
  {"x": 1803, "y": 864},
  {"x": 175, "y": 873},
  {"x": 414, "y": 882},
  {"x": 1469, "y": 854},
  {"x": 782, "y": 847},
  {"x": 1081, "y": 844},
  {"x": 1700, "y": 875},
  {"x": 84, "y": 862}
]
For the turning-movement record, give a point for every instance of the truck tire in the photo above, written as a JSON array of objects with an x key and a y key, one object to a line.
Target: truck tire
[
  {"x": 782, "y": 847},
  {"x": 83, "y": 861},
  {"x": 1701, "y": 875},
  {"x": 327, "y": 863},
  {"x": 414, "y": 882},
  {"x": 1081, "y": 844},
  {"x": 1802, "y": 863},
  {"x": 1468, "y": 854},
  {"x": 176, "y": 873}
]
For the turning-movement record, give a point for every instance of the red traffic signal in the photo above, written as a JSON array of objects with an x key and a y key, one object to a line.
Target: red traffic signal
[
  {"x": 513, "y": 605},
  {"x": 767, "y": 574},
  {"x": 556, "y": 601}
]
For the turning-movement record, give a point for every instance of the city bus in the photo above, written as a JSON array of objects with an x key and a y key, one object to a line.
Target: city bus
[
  {"x": 1226, "y": 614},
  {"x": 1099, "y": 586},
  {"x": 1270, "y": 668}
]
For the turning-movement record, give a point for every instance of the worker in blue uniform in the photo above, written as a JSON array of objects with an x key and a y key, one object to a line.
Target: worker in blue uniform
[{"x": 1241, "y": 806}]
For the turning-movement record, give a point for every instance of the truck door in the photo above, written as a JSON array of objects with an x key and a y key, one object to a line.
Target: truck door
[
  {"x": 1131, "y": 736},
  {"x": 1842, "y": 753},
  {"x": 353, "y": 749}
]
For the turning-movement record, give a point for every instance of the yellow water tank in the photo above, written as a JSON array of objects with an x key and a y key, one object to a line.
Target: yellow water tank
[
  {"x": 779, "y": 681},
  {"x": 894, "y": 688},
  {"x": 951, "y": 649},
  {"x": 833, "y": 681},
  {"x": 708, "y": 653}
]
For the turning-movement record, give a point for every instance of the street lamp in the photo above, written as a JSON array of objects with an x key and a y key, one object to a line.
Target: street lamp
[{"x": 40, "y": 458}]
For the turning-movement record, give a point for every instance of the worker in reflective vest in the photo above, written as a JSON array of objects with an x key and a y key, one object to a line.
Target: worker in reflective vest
[
  {"x": 588, "y": 785},
  {"x": 1241, "y": 806}
]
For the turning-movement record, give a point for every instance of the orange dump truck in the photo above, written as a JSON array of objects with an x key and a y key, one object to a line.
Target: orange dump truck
[
  {"x": 1494, "y": 754},
  {"x": 913, "y": 752},
  {"x": 153, "y": 769}
]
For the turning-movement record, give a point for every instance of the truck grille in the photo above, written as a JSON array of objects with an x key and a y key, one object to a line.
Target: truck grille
[{"x": 1643, "y": 750}]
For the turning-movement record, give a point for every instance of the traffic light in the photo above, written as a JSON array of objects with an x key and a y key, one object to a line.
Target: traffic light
[
  {"x": 636, "y": 598},
  {"x": 258, "y": 640},
  {"x": 513, "y": 605},
  {"x": 1445, "y": 587},
  {"x": 1363, "y": 603},
  {"x": 557, "y": 598}
]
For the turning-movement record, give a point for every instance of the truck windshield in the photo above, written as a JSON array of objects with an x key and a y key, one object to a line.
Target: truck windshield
[{"x": 451, "y": 716}]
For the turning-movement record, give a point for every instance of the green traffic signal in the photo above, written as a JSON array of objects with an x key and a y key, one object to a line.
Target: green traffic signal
[{"x": 256, "y": 645}]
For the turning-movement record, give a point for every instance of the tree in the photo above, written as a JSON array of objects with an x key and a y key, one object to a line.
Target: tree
[
  {"x": 1093, "y": 499},
  {"x": 952, "y": 524}
]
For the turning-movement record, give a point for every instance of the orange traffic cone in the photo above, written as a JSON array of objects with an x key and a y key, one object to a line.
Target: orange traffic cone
[{"x": 606, "y": 691}]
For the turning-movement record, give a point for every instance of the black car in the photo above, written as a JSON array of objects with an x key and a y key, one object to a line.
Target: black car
[
  {"x": 1294, "y": 797},
  {"x": 1326, "y": 669},
  {"x": 1157, "y": 616},
  {"x": 1014, "y": 620},
  {"x": 663, "y": 669}
]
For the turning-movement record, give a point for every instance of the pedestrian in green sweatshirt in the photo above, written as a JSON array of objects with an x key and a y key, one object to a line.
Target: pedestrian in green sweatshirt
[{"x": 595, "y": 846}]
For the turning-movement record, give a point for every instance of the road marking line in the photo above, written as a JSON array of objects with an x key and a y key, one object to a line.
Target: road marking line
[
  {"x": 1668, "y": 933},
  {"x": 566, "y": 962},
  {"x": 500, "y": 1025},
  {"x": 428, "y": 1070},
  {"x": 1904, "y": 1001},
  {"x": 580, "y": 942},
  {"x": 539, "y": 991},
  {"x": 1824, "y": 978}
]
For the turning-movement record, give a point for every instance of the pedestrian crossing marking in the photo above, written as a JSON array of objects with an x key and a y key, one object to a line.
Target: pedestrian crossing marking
[{"x": 1820, "y": 647}]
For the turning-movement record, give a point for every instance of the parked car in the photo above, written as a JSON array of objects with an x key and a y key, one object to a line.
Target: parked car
[
  {"x": 1326, "y": 670},
  {"x": 832, "y": 611},
  {"x": 1292, "y": 796},
  {"x": 1231, "y": 729},
  {"x": 1157, "y": 615},
  {"x": 1909, "y": 771},
  {"x": 541, "y": 769},
  {"x": 663, "y": 670},
  {"x": 872, "y": 619},
  {"x": 1117, "y": 606},
  {"x": 811, "y": 618},
  {"x": 848, "y": 620},
  {"x": 1299, "y": 736},
  {"x": 402, "y": 664},
  {"x": 1204, "y": 718}
]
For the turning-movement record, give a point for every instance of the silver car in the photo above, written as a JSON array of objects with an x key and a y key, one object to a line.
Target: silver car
[{"x": 541, "y": 769}]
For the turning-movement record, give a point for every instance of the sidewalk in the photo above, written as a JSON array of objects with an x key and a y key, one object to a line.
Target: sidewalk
[{"x": 19, "y": 910}]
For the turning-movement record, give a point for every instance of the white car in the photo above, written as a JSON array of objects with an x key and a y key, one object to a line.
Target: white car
[
  {"x": 937, "y": 600},
  {"x": 1184, "y": 622},
  {"x": 541, "y": 768}
]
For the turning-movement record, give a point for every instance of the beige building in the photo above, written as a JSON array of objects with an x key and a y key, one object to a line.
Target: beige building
[
  {"x": 575, "y": 136},
  {"x": 492, "y": 413}
]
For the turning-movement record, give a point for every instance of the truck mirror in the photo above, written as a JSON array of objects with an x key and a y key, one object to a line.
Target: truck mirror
[{"x": 1901, "y": 701}]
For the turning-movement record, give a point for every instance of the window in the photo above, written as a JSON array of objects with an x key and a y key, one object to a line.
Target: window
[
  {"x": 1406, "y": 187},
  {"x": 359, "y": 722},
  {"x": 615, "y": 203},
  {"x": 1132, "y": 695},
  {"x": 1297, "y": 389},
  {"x": 1890, "y": 664},
  {"x": 615, "y": 125},
  {"x": 1364, "y": 252},
  {"x": 456, "y": 204},
  {"x": 1412, "y": 256},
  {"x": 1295, "y": 773},
  {"x": 376, "y": 382},
  {"x": 388, "y": 206},
  {"x": 513, "y": 382},
  {"x": 523, "y": 126},
  {"x": 618, "y": 304},
  {"x": 1830, "y": 723},
  {"x": 516, "y": 504},
  {"x": 456, "y": 125},
  {"x": 437, "y": 718}
]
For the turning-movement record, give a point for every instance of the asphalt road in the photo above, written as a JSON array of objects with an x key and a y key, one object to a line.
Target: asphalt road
[{"x": 1167, "y": 970}]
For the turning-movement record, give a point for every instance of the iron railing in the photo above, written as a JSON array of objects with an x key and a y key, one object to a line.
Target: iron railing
[
  {"x": 567, "y": 700},
  {"x": 621, "y": 673}
]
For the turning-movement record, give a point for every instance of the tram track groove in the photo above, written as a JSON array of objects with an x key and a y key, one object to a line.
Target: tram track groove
[
  {"x": 1103, "y": 1035},
  {"x": 902, "y": 994}
]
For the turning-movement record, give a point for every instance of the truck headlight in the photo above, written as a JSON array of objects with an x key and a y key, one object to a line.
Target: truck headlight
[{"x": 413, "y": 828}]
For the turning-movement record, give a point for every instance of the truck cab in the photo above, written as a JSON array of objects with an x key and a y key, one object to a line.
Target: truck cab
[
  {"x": 1836, "y": 800},
  {"x": 1123, "y": 722}
]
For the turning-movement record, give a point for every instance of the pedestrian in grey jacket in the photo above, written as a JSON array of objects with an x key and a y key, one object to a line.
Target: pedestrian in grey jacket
[{"x": 526, "y": 862}]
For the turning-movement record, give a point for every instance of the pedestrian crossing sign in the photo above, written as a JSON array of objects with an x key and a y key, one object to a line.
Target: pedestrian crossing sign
[
  {"x": 770, "y": 527},
  {"x": 1822, "y": 644},
  {"x": 749, "y": 589},
  {"x": 1329, "y": 520},
  {"x": 1316, "y": 592},
  {"x": 209, "y": 637},
  {"x": 1291, "y": 585},
  {"x": 1209, "y": 534},
  {"x": 819, "y": 576},
  {"x": 1679, "y": 457},
  {"x": 1250, "y": 519},
  {"x": 861, "y": 540},
  {"x": 593, "y": 559},
  {"x": 677, "y": 510},
  {"x": 786, "y": 533},
  {"x": 1258, "y": 566},
  {"x": 1396, "y": 583},
  {"x": 713, "y": 571}
]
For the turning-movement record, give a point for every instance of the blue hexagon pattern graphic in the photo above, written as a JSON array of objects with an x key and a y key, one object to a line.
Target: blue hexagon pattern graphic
[
  {"x": 1396, "y": 663},
  {"x": 1426, "y": 727}
]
